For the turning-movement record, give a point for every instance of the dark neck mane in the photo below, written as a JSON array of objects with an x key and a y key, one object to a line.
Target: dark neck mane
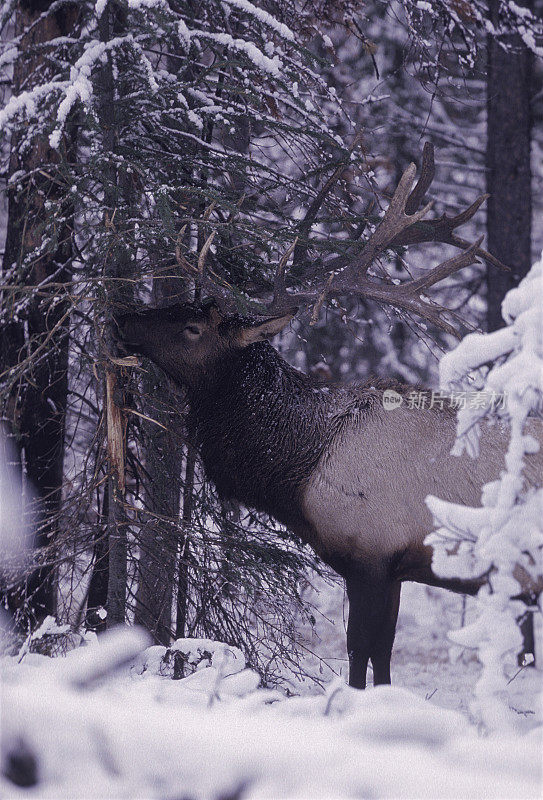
[{"x": 260, "y": 430}]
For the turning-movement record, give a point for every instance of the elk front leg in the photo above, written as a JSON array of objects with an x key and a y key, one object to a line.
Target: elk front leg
[
  {"x": 381, "y": 651},
  {"x": 357, "y": 646},
  {"x": 373, "y": 610}
]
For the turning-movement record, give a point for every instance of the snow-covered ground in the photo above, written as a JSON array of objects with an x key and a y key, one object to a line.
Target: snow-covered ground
[
  {"x": 79, "y": 728},
  {"x": 423, "y": 660}
]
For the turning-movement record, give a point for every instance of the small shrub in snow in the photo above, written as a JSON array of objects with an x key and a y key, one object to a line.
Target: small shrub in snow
[
  {"x": 186, "y": 656},
  {"x": 48, "y": 639}
]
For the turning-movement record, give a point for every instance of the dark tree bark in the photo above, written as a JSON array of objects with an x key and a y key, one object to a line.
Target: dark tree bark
[
  {"x": 36, "y": 407},
  {"x": 117, "y": 523},
  {"x": 158, "y": 537},
  {"x": 158, "y": 541},
  {"x": 509, "y": 122},
  {"x": 116, "y": 267},
  {"x": 509, "y": 183},
  {"x": 98, "y": 586},
  {"x": 182, "y": 577}
]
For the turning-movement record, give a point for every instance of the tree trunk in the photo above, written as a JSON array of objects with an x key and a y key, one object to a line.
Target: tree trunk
[
  {"x": 183, "y": 573},
  {"x": 163, "y": 461},
  {"x": 509, "y": 210},
  {"x": 36, "y": 408},
  {"x": 116, "y": 518},
  {"x": 98, "y": 586},
  {"x": 117, "y": 266},
  {"x": 509, "y": 183}
]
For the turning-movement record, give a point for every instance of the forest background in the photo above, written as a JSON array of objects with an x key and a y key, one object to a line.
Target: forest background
[{"x": 157, "y": 150}]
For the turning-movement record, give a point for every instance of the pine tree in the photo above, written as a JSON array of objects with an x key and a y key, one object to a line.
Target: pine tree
[{"x": 196, "y": 129}]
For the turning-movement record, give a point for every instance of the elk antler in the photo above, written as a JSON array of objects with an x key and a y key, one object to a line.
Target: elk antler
[
  {"x": 395, "y": 223},
  {"x": 345, "y": 275},
  {"x": 410, "y": 227},
  {"x": 402, "y": 225}
]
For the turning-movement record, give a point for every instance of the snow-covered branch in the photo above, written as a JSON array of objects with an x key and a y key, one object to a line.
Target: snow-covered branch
[{"x": 503, "y": 537}]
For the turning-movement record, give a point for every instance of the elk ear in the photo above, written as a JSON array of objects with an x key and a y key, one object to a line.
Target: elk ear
[
  {"x": 265, "y": 330},
  {"x": 211, "y": 308}
]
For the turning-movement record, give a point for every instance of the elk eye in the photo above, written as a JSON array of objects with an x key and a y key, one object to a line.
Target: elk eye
[{"x": 192, "y": 330}]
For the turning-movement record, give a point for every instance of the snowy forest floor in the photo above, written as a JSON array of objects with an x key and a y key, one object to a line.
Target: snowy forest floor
[
  {"x": 108, "y": 721},
  {"x": 423, "y": 660}
]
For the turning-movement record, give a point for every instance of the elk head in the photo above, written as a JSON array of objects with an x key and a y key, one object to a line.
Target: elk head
[{"x": 193, "y": 342}]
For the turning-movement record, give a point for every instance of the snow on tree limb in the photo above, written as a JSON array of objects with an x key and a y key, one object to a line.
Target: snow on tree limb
[{"x": 504, "y": 537}]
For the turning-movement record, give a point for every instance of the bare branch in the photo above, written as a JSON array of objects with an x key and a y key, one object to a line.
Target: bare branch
[
  {"x": 318, "y": 305},
  {"x": 279, "y": 280},
  {"x": 301, "y": 248}
]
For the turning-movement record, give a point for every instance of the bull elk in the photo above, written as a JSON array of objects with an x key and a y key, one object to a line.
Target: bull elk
[{"x": 329, "y": 461}]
